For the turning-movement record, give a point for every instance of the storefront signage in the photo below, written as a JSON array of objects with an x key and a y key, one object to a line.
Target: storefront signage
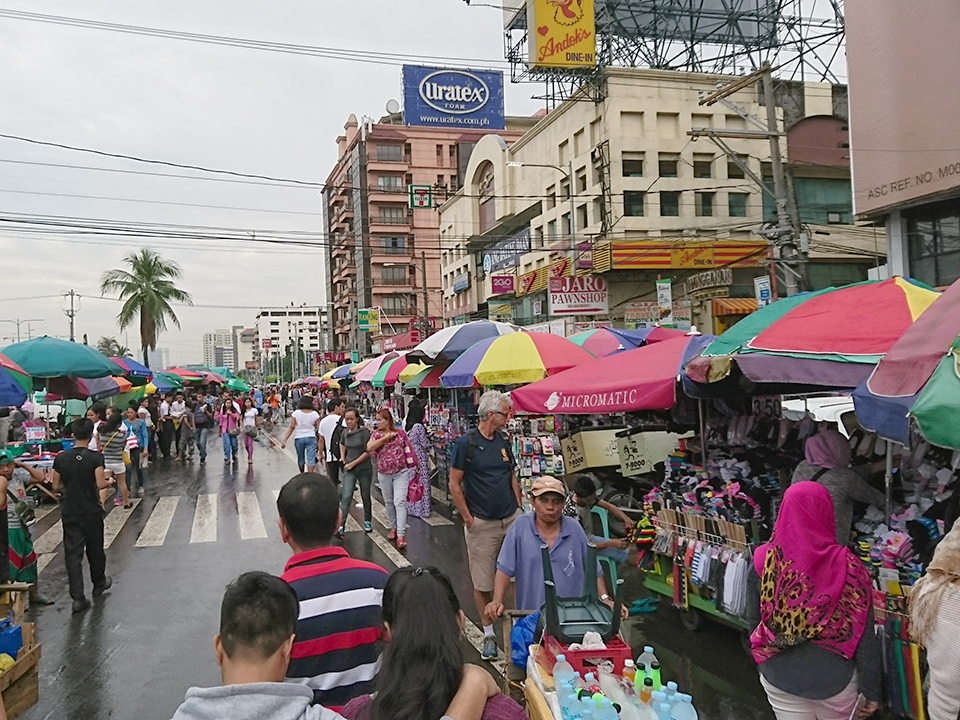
[
  {"x": 500, "y": 284},
  {"x": 555, "y": 327},
  {"x": 461, "y": 282},
  {"x": 692, "y": 255},
  {"x": 507, "y": 254},
  {"x": 421, "y": 197},
  {"x": 761, "y": 287},
  {"x": 659, "y": 255},
  {"x": 586, "y": 295},
  {"x": 368, "y": 320},
  {"x": 35, "y": 433},
  {"x": 267, "y": 343},
  {"x": 441, "y": 97},
  {"x": 595, "y": 325},
  {"x": 401, "y": 341},
  {"x": 665, "y": 301},
  {"x": 250, "y": 364},
  {"x": 708, "y": 279},
  {"x": 585, "y": 256},
  {"x": 500, "y": 310},
  {"x": 562, "y": 33},
  {"x": 647, "y": 314},
  {"x": 538, "y": 308}
]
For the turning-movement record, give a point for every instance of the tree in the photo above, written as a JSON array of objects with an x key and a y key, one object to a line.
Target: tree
[
  {"x": 147, "y": 290},
  {"x": 111, "y": 347}
]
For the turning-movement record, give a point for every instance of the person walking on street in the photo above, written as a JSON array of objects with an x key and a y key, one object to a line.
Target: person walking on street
[
  {"x": 202, "y": 422},
  {"x": 78, "y": 472},
  {"x": 96, "y": 414},
  {"x": 188, "y": 435},
  {"x": 165, "y": 428},
  {"x": 23, "y": 559},
  {"x": 395, "y": 465},
  {"x": 331, "y": 429},
  {"x": 485, "y": 489},
  {"x": 304, "y": 425},
  {"x": 357, "y": 468},
  {"x": 113, "y": 444},
  {"x": 178, "y": 408},
  {"x": 229, "y": 421},
  {"x": 137, "y": 429},
  {"x": 153, "y": 413},
  {"x": 421, "y": 445},
  {"x": 251, "y": 427}
]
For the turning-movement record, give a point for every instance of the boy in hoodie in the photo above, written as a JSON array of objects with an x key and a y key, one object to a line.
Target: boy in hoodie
[{"x": 258, "y": 621}]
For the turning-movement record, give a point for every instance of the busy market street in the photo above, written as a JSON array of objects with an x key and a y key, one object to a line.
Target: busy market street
[{"x": 480, "y": 360}]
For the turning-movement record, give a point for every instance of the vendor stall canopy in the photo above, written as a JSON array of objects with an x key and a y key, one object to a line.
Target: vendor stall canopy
[
  {"x": 448, "y": 344},
  {"x": 47, "y": 357},
  {"x": 918, "y": 379}
]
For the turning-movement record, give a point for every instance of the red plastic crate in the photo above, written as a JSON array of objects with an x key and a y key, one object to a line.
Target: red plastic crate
[{"x": 584, "y": 661}]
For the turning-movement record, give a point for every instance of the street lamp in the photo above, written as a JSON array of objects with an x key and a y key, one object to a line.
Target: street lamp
[
  {"x": 19, "y": 322},
  {"x": 573, "y": 213},
  {"x": 423, "y": 277}
]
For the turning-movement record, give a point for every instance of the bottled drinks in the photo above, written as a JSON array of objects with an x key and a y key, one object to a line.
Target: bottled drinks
[
  {"x": 663, "y": 711},
  {"x": 646, "y": 690},
  {"x": 569, "y": 705},
  {"x": 605, "y": 711},
  {"x": 655, "y": 673},
  {"x": 630, "y": 671},
  {"x": 671, "y": 690},
  {"x": 683, "y": 708},
  {"x": 563, "y": 672},
  {"x": 647, "y": 657}
]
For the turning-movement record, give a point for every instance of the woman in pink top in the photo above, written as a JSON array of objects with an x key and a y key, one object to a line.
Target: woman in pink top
[
  {"x": 389, "y": 445},
  {"x": 422, "y": 663},
  {"x": 229, "y": 419}
]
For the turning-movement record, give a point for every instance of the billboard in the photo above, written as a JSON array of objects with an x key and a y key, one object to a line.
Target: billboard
[
  {"x": 500, "y": 284},
  {"x": 562, "y": 34},
  {"x": 903, "y": 117},
  {"x": 442, "y": 97},
  {"x": 584, "y": 295}
]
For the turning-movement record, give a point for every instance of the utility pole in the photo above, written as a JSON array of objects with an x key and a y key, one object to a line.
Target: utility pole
[
  {"x": 426, "y": 312},
  {"x": 72, "y": 312},
  {"x": 18, "y": 322}
]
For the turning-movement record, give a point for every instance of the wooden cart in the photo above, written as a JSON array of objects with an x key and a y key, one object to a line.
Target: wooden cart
[{"x": 20, "y": 684}]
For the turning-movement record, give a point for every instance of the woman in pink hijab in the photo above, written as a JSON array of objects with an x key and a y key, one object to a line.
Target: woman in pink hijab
[
  {"x": 828, "y": 456},
  {"x": 815, "y": 644}
]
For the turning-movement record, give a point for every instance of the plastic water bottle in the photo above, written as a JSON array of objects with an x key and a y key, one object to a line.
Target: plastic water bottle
[
  {"x": 663, "y": 711},
  {"x": 563, "y": 672},
  {"x": 683, "y": 708},
  {"x": 655, "y": 674},
  {"x": 606, "y": 711},
  {"x": 672, "y": 690},
  {"x": 586, "y": 710},
  {"x": 647, "y": 657}
]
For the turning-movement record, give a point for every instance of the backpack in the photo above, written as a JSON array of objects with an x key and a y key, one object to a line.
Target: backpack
[
  {"x": 472, "y": 441},
  {"x": 336, "y": 438}
]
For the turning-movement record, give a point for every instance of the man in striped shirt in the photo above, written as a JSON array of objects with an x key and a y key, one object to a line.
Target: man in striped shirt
[{"x": 336, "y": 652}]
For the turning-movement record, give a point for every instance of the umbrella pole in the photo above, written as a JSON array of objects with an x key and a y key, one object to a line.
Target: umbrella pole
[
  {"x": 888, "y": 479},
  {"x": 703, "y": 435}
]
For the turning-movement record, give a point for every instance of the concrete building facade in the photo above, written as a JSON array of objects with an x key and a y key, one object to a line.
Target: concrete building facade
[
  {"x": 218, "y": 349},
  {"x": 278, "y": 329}
]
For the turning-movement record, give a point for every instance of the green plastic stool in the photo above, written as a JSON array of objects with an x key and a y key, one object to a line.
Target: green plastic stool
[{"x": 609, "y": 562}]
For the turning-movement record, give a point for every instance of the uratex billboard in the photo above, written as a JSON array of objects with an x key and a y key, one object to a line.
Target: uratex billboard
[
  {"x": 903, "y": 61},
  {"x": 442, "y": 97}
]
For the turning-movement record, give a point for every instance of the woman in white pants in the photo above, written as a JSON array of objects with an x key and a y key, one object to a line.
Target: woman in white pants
[{"x": 389, "y": 445}]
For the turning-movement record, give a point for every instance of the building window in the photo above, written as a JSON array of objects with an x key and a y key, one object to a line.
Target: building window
[
  {"x": 581, "y": 181},
  {"x": 552, "y": 231},
  {"x": 389, "y": 153},
  {"x": 454, "y": 183},
  {"x": 551, "y": 197},
  {"x": 537, "y": 238},
  {"x": 390, "y": 215},
  {"x": 394, "y": 275},
  {"x": 440, "y": 155},
  {"x": 393, "y": 245},
  {"x": 670, "y": 204},
  {"x": 390, "y": 183},
  {"x": 565, "y": 224},
  {"x": 633, "y": 203},
  {"x": 565, "y": 189},
  {"x": 669, "y": 166},
  {"x": 705, "y": 204},
  {"x": 737, "y": 203},
  {"x": 703, "y": 166},
  {"x": 734, "y": 171},
  {"x": 933, "y": 241},
  {"x": 632, "y": 164},
  {"x": 582, "y": 220},
  {"x": 394, "y": 304}
]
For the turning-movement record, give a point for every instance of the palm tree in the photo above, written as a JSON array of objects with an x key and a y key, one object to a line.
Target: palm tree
[
  {"x": 111, "y": 347},
  {"x": 147, "y": 290}
]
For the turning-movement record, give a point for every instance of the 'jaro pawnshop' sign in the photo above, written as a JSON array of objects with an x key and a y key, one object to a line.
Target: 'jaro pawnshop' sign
[{"x": 584, "y": 295}]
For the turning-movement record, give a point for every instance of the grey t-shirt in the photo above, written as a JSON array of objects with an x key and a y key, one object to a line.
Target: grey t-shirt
[
  {"x": 356, "y": 444},
  {"x": 845, "y": 486}
]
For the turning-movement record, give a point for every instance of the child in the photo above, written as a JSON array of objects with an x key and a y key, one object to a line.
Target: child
[
  {"x": 580, "y": 504},
  {"x": 79, "y": 473}
]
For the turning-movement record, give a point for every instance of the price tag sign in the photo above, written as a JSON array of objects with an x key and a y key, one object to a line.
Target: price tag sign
[
  {"x": 35, "y": 433},
  {"x": 767, "y": 406}
]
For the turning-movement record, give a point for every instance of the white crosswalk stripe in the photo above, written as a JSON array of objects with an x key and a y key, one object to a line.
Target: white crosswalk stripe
[
  {"x": 251, "y": 521},
  {"x": 205, "y": 520},
  {"x": 155, "y": 531},
  {"x": 115, "y": 521}
]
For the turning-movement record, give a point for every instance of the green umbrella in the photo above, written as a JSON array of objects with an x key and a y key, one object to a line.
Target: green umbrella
[
  {"x": 237, "y": 384},
  {"x": 47, "y": 357},
  {"x": 170, "y": 378},
  {"x": 379, "y": 379}
]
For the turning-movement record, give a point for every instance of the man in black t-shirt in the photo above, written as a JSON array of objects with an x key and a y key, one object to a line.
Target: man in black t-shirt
[{"x": 78, "y": 472}]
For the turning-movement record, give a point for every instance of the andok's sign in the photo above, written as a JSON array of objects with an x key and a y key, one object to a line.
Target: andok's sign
[{"x": 586, "y": 295}]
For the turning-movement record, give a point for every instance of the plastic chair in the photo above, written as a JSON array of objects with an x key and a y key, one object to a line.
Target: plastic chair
[
  {"x": 568, "y": 619},
  {"x": 608, "y": 561}
]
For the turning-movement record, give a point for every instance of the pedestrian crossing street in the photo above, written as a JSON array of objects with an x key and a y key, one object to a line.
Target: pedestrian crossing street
[{"x": 210, "y": 513}]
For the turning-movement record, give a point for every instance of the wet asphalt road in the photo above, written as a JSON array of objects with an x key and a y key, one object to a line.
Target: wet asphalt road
[{"x": 134, "y": 654}]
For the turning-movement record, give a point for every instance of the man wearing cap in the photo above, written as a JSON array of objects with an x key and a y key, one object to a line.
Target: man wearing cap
[
  {"x": 520, "y": 556},
  {"x": 485, "y": 489}
]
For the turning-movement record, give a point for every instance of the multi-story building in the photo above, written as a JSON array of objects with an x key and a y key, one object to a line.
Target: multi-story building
[
  {"x": 379, "y": 247},
  {"x": 248, "y": 352},
  {"x": 159, "y": 358},
  {"x": 218, "y": 350},
  {"x": 283, "y": 330},
  {"x": 621, "y": 190}
]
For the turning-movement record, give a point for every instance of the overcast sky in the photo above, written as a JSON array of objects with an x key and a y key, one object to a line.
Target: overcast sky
[{"x": 222, "y": 107}]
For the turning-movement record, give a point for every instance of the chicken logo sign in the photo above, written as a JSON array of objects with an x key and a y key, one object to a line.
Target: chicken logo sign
[{"x": 562, "y": 33}]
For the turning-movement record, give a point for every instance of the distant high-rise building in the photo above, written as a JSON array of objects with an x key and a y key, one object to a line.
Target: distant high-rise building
[
  {"x": 218, "y": 350},
  {"x": 159, "y": 358}
]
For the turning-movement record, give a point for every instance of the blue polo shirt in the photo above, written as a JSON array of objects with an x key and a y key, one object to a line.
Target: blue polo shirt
[{"x": 520, "y": 559}]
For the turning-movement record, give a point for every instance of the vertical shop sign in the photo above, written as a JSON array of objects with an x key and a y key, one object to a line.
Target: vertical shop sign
[{"x": 665, "y": 301}]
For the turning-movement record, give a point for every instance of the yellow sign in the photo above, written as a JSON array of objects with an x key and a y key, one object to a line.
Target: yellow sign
[
  {"x": 692, "y": 255},
  {"x": 562, "y": 33}
]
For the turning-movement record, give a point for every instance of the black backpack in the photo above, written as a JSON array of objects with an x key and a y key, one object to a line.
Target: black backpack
[
  {"x": 472, "y": 441},
  {"x": 336, "y": 438}
]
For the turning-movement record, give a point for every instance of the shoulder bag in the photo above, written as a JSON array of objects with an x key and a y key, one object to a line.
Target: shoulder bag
[{"x": 23, "y": 510}]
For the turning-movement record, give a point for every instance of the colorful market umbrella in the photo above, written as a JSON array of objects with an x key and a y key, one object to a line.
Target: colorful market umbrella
[
  {"x": 831, "y": 338},
  {"x": 329, "y": 385},
  {"x": 449, "y": 343},
  {"x": 389, "y": 372},
  {"x": 370, "y": 368},
  {"x": 429, "y": 377},
  {"x": 514, "y": 359},
  {"x": 168, "y": 381},
  {"x": 412, "y": 370},
  {"x": 15, "y": 383},
  {"x": 237, "y": 384},
  {"x": 92, "y": 388},
  {"x": 918, "y": 378},
  {"x": 47, "y": 357},
  {"x": 338, "y": 373},
  {"x": 186, "y": 375},
  {"x": 629, "y": 381},
  {"x": 134, "y": 370},
  {"x": 601, "y": 342}
]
